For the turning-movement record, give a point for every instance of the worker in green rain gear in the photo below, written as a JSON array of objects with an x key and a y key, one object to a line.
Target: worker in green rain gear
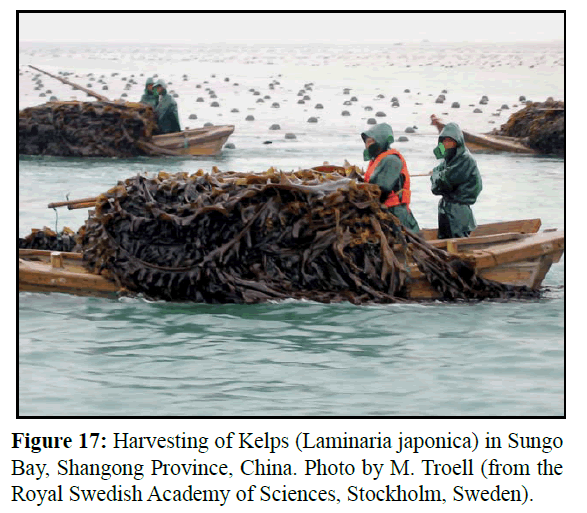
[
  {"x": 388, "y": 169},
  {"x": 458, "y": 181},
  {"x": 150, "y": 95},
  {"x": 166, "y": 110}
]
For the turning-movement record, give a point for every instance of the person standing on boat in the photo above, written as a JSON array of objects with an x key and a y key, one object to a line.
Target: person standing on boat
[
  {"x": 150, "y": 95},
  {"x": 388, "y": 169},
  {"x": 458, "y": 181},
  {"x": 166, "y": 110}
]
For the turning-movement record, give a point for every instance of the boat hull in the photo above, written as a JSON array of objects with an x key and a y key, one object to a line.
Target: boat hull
[
  {"x": 199, "y": 141},
  {"x": 521, "y": 259}
]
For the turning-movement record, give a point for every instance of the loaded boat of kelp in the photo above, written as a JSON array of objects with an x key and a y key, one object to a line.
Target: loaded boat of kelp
[
  {"x": 539, "y": 128},
  {"x": 109, "y": 129},
  {"x": 226, "y": 237}
]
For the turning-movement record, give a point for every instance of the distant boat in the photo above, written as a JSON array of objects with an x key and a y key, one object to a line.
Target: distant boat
[
  {"x": 198, "y": 141},
  {"x": 488, "y": 142},
  {"x": 511, "y": 252}
]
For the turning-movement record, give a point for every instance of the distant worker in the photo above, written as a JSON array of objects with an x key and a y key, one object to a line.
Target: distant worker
[
  {"x": 388, "y": 169},
  {"x": 166, "y": 110},
  {"x": 458, "y": 181},
  {"x": 150, "y": 95}
]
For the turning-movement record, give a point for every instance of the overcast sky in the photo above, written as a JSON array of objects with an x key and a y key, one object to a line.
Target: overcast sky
[{"x": 290, "y": 27}]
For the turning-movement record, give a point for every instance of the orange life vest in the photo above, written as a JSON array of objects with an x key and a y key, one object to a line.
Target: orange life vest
[{"x": 393, "y": 199}]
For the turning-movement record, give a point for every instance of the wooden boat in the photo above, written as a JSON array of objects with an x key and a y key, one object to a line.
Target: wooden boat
[
  {"x": 512, "y": 252},
  {"x": 198, "y": 141},
  {"x": 488, "y": 142}
]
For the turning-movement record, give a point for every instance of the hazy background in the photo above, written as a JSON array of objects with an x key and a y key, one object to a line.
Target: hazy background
[{"x": 333, "y": 28}]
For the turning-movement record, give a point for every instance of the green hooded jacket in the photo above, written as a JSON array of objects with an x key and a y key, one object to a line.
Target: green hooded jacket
[
  {"x": 167, "y": 116},
  {"x": 387, "y": 175},
  {"x": 149, "y": 97},
  {"x": 458, "y": 181}
]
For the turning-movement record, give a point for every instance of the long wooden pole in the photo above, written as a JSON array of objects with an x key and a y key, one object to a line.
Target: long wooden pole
[
  {"x": 71, "y": 202},
  {"x": 85, "y": 90}
]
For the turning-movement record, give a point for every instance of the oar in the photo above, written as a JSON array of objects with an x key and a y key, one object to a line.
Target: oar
[{"x": 88, "y": 91}]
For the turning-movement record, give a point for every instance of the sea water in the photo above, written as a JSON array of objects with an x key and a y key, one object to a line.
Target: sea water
[{"x": 132, "y": 357}]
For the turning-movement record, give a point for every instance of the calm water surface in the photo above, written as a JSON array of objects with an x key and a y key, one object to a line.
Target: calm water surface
[{"x": 88, "y": 356}]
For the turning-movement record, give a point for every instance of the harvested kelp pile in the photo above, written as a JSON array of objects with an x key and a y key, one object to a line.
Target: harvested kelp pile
[
  {"x": 85, "y": 129},
  {"x": 242, "y": 238},
  {"x": 49, "y": 240},
  {"x": 542, "y": 125}
]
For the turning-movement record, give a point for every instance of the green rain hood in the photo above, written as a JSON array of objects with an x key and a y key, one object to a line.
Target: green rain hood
[
  {"x": 382, "y": 134},
  {"x": 459, "y": 179},
  {"x": 149, "y": 97}
]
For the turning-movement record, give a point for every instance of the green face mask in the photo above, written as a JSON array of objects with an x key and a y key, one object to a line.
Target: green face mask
[{"x": 439, "y": 151}]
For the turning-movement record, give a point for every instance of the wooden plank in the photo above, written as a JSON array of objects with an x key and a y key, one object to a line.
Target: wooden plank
[
  {"x": 87, "y": 204},
  {"x": 47, "y": 253},
  {"x": 452, "y": 246},
  {"x": 482, "y": 240},
  {"x": 56, "y": 260},
  {"x": 524, "y": 249},
  {"x": 518, "y": 226},
  {"x": 70, "y": 202},
  {"x": 41, "y": 275}
]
